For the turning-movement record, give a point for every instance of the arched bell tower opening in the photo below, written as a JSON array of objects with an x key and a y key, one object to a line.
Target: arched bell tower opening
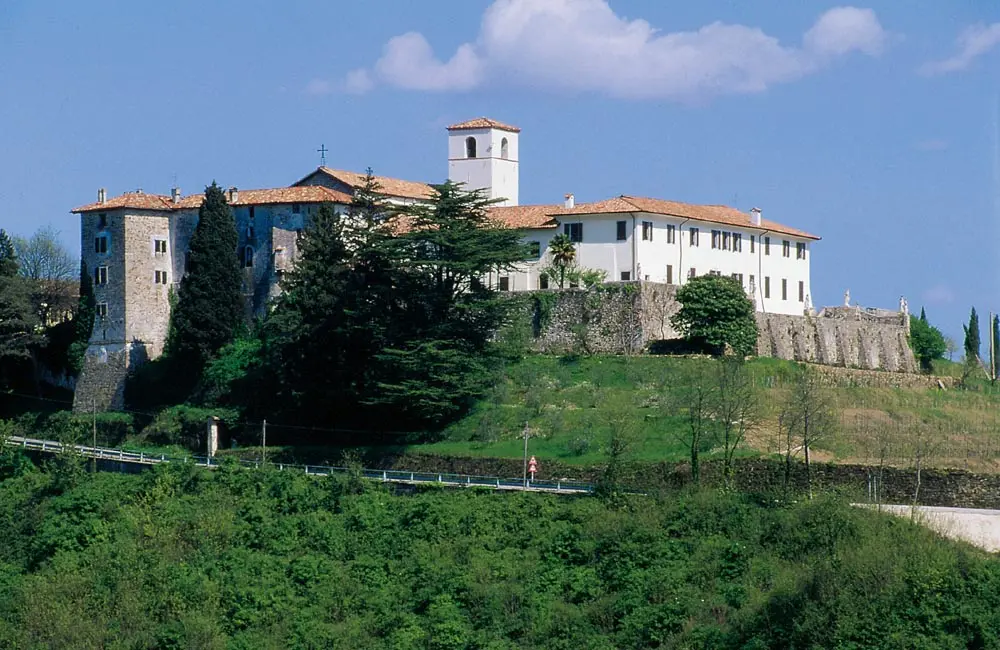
[{"x": 483, "y": 154}]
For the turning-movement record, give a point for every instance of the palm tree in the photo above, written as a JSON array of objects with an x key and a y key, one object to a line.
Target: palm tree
[{"x": 563, "y": 255}]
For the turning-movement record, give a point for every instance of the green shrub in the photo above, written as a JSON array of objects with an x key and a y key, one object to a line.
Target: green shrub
[
  {"x": 112, "y": 429},
  {"x": 185, "y": 426}
]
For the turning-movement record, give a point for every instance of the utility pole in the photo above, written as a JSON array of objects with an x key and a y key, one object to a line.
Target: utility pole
[
  {"x": 263, "y": 442},
  {"x": 93, "y": 405},
  {"x": 525, "y": 455}
]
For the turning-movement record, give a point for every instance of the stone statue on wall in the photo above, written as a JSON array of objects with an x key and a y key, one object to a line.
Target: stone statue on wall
[
  {"x": 809, "y": 304},
  {"x": 904, "y": 307},
  {"x": 847, "y": 298}
]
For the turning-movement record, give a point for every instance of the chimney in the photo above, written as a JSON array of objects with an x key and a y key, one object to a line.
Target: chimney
[
  {"x": 102, "y": 196},
  {"x": 139, "y": 191},
  {"x": 234, "y": 195},
  {"x": 570, "y": 201},
  {"x": 175, "y": 195},
  {"x": 755, "y": 216}
]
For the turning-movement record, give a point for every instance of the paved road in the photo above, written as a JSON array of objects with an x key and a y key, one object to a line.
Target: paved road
[
  {"x": 978, "y": 527},
  {"x": 134, "y": 458}
]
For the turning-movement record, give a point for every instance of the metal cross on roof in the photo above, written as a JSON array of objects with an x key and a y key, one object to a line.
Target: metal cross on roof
[{"x": 322, "y": 154}]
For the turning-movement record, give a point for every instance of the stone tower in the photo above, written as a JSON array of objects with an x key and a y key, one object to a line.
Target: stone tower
[{"x": 483, "y": 154}]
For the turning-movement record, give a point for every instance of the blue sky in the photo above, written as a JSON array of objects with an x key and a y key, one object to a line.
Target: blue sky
[{"x": 874, "y": 125}]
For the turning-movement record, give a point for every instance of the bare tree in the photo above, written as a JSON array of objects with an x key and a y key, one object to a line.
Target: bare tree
[
  {"x": 807, "y": 415},
  {"x": 696, "y": 399},
  {"x": 52, "y": 272},
  {"x": 737, "y": 409},
  {"x": 619, "y": 417},
  {"x": 925, "y": 441}
]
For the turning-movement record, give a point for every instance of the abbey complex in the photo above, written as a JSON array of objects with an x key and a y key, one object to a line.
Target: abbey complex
[{"x": 135, "y": 246}]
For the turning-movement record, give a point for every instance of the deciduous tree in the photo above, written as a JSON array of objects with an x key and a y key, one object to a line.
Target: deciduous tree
[
  {"x": 807, "y": 416},
  {"x": 926, "y": 341},
  {"x": 715, "y": 312}
]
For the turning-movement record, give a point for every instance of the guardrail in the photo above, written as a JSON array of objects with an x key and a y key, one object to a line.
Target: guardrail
[{"x": 558, "y": 486}]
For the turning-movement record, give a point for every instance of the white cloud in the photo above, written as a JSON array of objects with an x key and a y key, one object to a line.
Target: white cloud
[
  {"x": 358, "y": 82},
  {"x": 582, "y": 45},
  {"x": 973, "y": 42}
]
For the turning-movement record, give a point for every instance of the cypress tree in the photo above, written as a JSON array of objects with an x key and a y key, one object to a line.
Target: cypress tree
[
  {"x": 8, "y": 257},
  {"x": 83, "y": 320},
  {"x": 209, "y": 306},
  {"x": 972, "y": 336},
  {"x": 923, "y": 315},
  {"x": 17, "y": 320},
  {"x": 995, "y": 327}
]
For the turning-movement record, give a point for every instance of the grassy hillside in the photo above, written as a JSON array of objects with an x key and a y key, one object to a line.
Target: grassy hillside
[
  {"x": 571, "y": 406},
  {"x": 184, "y": 558}
]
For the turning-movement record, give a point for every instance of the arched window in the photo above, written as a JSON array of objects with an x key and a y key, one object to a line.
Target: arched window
[
  {"x": 503, "y": 148},
  {"x": 470, "y": 147},
  {"x": 247, "y": 257}
]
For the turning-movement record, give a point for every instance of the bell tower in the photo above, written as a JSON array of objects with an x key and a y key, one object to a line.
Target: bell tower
[{"x": 483, "y": 154}]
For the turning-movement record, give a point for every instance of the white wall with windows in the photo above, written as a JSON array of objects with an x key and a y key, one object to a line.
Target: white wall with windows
[{"x": 671, "y": 249}]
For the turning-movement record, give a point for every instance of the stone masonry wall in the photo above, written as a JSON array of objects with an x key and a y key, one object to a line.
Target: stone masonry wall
[
  {"x": 102, "y": 380},
  {"x": 626, "y": 317}
]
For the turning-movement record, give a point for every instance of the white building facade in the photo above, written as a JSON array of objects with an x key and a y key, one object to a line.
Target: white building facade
[{"x": 635, "y": 238}]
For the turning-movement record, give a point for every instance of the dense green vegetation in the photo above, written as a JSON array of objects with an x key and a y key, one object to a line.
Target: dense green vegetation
[
  {"x": 186, "y": 558},
  {"x": 716, "y": 312}
]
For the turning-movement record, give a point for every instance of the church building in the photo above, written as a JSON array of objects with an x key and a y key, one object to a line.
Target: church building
[{"x": 135, "y": 245}]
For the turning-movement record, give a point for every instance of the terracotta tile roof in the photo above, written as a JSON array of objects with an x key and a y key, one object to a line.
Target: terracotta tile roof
[
  {"x": 708, "y": 213},
  {"x": 131, "y": 200},
  {"x": 525, "y": 216},
  {"x": 283, "y": 195},
  {"x": 483, "y": 123},
  {"x": 390, "y": 186}
]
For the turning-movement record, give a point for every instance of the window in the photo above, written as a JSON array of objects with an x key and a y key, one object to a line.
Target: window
[
  {"x": 101, "y": 245},
  {"x": 671, "y": 234},
  {"x": 752, "y": 240},
  {"x": 187, "y": 262},
  {"x": 753, "y": 284},
  {"x": 160, "y": 246},
  {"x": 715, "y": 273},
  {"x": 574, "y": 231},
  {"x": 534, "y": 250},
  {"x": 715, "y": 239},
  {"x": 296, "y": 208},
  {"x": 626, "y": 276},
  {"x": 784, "y": 289},
  {"x": 725, "y": 241},
  {"x": 102, "y": 310},
  {"x": 737, "y": 242},
  {"x": 767, "y": 245},
  {"x": 102, "y": 220},
  {"x": 159, "y": 277},
  {"x": 246, "y": 257},
  {"x": 800, "y": 251},
  {"x": 622, "y": 230},
  {"x": 670, "y": 274},
  {"x": 543, "y": 281},
  {"x": 251, "y": 213},
  {"x": 786, "y": 249},
  {"x": 249, "y": 233},
  {"x": 647, "y": 231},
  {"x": 101, "y": 275},
  {"x": 503, "y": 148},
  {"x": 504, "y": 283},
  {"x": 738, "y": 277},
  {"x": 470, "y": 147},
  {"x": 767, "y": 286},
  {"x": 694, "y": 236},
  {"x": 802, "y": 291},
  {"x": 691, "y": 273}
]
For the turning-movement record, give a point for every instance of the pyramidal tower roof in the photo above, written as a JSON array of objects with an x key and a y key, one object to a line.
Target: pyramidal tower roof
[{"x": 483, "y": 123}]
